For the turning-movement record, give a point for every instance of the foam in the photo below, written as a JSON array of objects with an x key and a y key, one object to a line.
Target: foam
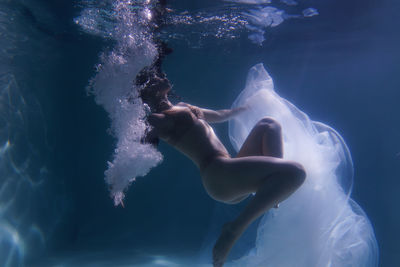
[
  {"x": 254, "y": 2},
  {"x": 260, "y": 16},
  {"x": 310, "y": 12},
  {"x": 114, "y": 89},
  {"x": 289, "y": 2}
]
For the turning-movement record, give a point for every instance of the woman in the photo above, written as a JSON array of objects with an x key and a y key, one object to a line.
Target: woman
[{"x": 257, "y": 168}]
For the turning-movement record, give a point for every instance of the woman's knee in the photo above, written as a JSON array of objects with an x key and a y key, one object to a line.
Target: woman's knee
[
  {"x": 297, "y": 173},
  {"x": 268, "y": 123}
]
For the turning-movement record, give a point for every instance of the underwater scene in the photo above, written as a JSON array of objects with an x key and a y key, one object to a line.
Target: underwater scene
[{"x": 183, "y": 133}]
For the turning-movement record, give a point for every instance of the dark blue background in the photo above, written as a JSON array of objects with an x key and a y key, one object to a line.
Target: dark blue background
[{"x": 341, "y": 68}]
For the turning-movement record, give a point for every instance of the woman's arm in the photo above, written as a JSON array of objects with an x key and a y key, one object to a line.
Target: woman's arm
[
  {"x": 215, "y": 116},
  {"x": 159, "y": 123}
]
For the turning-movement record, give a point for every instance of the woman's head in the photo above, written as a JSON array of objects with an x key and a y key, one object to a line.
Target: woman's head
[{"x": 154, "y": 93}]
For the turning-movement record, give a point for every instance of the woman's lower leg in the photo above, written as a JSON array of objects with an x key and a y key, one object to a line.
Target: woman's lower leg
[{"x": 273, "y": 190}]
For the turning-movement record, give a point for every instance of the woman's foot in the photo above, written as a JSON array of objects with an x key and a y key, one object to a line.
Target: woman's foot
[{"x": 224, "y": 244}]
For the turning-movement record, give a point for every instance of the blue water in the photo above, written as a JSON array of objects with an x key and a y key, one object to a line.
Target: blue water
[{"x": 340, "y": 66}]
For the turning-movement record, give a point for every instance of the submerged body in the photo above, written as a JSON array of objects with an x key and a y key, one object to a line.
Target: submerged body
[
  {"x": 194, "y": 137},
  {"x": 258, "y": 167}
]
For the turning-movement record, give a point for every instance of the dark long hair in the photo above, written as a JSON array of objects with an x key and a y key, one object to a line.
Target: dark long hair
[{"x": 153, "y": 89}]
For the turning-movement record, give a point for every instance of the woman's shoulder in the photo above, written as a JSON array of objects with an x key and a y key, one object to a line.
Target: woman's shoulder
[
  {"x": 177, "y": 111},
  {"x": 196, "y": 111}
]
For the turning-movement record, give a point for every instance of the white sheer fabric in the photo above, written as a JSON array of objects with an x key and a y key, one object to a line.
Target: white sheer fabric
[{"x": 319, "y": 225}]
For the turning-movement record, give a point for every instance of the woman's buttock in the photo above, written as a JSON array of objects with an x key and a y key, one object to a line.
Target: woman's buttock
[{"x": 228, "y": 179}]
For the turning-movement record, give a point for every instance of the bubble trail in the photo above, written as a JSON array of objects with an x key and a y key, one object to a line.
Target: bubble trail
[{"x": 131, "y": 24}]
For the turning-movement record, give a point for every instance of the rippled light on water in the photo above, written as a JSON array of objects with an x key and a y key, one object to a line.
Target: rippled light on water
[
  {"x": 16, "y": 184},
  {"x": 231, "y": 20},
  {"x": 12, "y": 247},
  {"x": 23, "y": 171}
]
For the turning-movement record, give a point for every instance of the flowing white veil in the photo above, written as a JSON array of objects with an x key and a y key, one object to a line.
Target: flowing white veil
[{"x": 319, "y": 225}]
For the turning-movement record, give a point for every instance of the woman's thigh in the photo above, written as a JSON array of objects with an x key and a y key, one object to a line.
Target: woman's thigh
[
  {"x": 265, "y": 139},
  {"x": 229, "y": 179}
]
